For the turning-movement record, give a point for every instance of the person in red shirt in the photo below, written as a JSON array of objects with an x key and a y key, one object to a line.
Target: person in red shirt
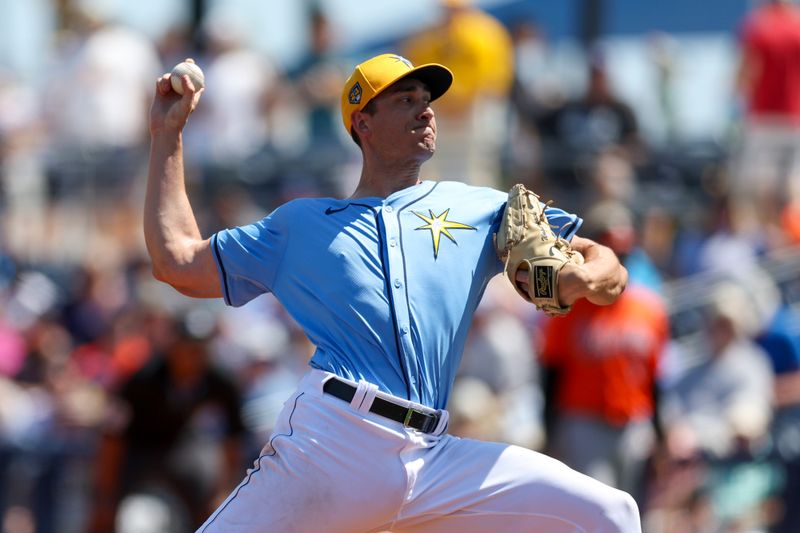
[
  {"x": 765, "y": 170},
  {"x": 600, "y": 369}
]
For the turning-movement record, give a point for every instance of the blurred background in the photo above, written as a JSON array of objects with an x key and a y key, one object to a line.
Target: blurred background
[{"x": 672, "y": 128}]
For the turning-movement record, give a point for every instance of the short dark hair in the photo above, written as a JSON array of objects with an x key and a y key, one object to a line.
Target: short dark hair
[{"x": 369, "y": 109}]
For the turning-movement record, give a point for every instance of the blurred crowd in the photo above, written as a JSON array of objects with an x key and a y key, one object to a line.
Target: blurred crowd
[{"x": 124, "y": 404}]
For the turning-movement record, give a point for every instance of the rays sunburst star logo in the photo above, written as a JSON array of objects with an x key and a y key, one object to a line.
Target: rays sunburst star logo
[{"x": 439, "y": 225}]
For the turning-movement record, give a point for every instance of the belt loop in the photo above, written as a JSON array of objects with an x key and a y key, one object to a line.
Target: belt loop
[
  {"x": 358, "y": 397},
  {"x": 369, "y": 396},
  {"x": 364, "y": 396}
]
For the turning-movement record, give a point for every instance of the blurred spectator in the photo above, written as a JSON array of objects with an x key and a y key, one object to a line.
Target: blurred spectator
[
  {"x": 600, "y": 369},
  {"x": 175, "y": 45},
  {"x": 658, "y": 228},
  {"x": 22, "y": 174},
  {"x": 268, "y": 353},
  {"x": 703, "y": 410},
  {"x": 478, "y": 49},
  {"x": 716, "y": 417},
  {"x": 765, "y": 169},
  {"x": 235, "y": 112},
  {"x": 97, "y": 96},
  {"x": 475, "y": 410},
  {"x": 48, "y": 411},
  {"x": 662, "y": 52},
  {"x": 175, "y": 430},
  {"x": 536, "y": 85},
  {"x": 790, "y": 221},
  {"x": 726, "y": 249},
  {"x": 268, "y": 381},
  {"x": 95, "y": 100},
  {"x": 98, "y": 294},
  {"x": 711, "y": 240},
  {"x": 576, "y": 134},
  {"x": 620, "y": 230},
  {"x": 318, "y": 77},
  {"x": 12, "y": 349},
  {"x": 317, "y": 80},
  {"x": 781, "y": 340},
  {"x": 614, "y": 223},
  {"x": 535, "y": 89},
  {"x": 499, "y": 362}
]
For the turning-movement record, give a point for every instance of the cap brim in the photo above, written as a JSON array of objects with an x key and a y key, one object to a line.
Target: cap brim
[{"x": 437, "y": 78}]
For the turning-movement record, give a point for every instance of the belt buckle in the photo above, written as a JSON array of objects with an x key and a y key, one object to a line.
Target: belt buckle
[{"x": 426, "y": 426}]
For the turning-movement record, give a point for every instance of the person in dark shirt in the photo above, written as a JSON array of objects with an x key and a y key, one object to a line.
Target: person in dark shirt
[
  {"x": 175, "y": 429},
  {"x": 577, "y": 134}
]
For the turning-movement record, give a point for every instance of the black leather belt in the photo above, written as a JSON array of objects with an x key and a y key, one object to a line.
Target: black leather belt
[{"x": 408, "y": 416}]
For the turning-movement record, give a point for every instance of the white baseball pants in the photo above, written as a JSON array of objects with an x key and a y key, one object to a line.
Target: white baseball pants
[{"x": 331, "y": 467}]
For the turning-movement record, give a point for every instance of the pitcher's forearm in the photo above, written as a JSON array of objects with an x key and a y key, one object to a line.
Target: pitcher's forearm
[
  {"x": 171, "y": 231},
  {"x": 179, "y": 254}
]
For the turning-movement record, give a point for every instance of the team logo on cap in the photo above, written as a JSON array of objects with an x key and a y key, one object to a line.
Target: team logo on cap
[
  {"x": 402, "y": 60},
  {"x": 355, "y": 94}
]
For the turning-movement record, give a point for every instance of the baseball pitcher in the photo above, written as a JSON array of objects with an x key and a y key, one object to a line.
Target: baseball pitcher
[{"x": 385, "y": 284}]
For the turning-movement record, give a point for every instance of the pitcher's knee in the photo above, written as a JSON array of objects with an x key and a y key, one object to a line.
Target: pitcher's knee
[{"x": 622, "y": 514}]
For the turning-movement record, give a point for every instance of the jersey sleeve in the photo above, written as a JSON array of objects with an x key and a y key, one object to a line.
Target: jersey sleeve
[
  {"x": 565, "y": 225},
  {"x": 248, "y": 258}
]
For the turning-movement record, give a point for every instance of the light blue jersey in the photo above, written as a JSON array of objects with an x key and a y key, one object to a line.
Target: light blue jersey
[{"x": 385, "y": 288}]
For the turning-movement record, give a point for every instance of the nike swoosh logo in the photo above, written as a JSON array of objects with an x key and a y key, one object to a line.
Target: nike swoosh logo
[{"x": 331, "y": 210}]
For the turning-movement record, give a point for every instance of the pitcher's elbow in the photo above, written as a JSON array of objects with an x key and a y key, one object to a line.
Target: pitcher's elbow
[
  {"x": 158, "y": 273},
  {"x": 163, "y": 273}
]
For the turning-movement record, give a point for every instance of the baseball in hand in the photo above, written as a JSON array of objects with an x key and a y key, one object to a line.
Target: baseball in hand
[{"x": 192, "y": 70}]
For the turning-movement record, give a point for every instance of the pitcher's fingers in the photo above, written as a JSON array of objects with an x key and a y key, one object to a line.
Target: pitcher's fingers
[
  {"x": 195, "y": 100},
  {"x": 196, "y": 96},
  {"x": 163, "y": 85},
  {"x": 188, "y": 86}
]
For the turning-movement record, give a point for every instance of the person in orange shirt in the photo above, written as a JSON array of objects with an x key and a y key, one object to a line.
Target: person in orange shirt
[{"x": 599, "y": 366}]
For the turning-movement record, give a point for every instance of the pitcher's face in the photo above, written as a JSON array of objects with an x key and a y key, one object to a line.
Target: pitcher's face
[{"x": 403, "y": 124}]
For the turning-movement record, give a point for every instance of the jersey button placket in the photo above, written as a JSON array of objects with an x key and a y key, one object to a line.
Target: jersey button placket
[{"x": 397, "y": 275}]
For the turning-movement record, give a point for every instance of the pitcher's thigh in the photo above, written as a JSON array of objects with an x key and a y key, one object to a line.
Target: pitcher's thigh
[
  {"x": 499, "y": 487},
  {"x": 324, "y": 469},
  {"x": 307, "y": 497}
]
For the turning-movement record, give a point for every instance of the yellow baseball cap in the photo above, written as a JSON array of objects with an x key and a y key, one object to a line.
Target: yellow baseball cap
[{"x": 374, "y": 75}]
